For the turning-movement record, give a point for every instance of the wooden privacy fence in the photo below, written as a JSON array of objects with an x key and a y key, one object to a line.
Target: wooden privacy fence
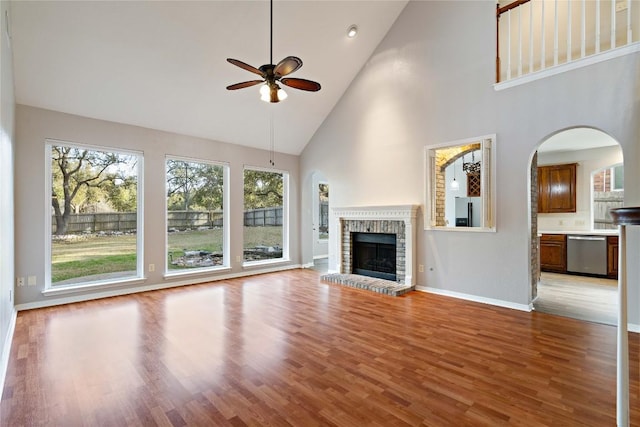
[
  {"x": 176, "y": 220},
  {"x": 181, "y": 220},
  {"x": 96, "y": 222},
  {"x": 263, "y": 217}
]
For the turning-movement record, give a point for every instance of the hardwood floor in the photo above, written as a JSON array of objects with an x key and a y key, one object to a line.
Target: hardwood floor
[
  {"x": 286, "y": 349},
  {"x": 579, "y": 297}
]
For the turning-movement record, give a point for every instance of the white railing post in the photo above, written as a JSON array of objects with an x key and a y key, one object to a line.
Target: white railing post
[
  {"x": 543, "y": 60},
  {"x": 519, "y": 41},
  {"x": 531, "y": 36},
  {"x": 583, "y": 30},
  {"x": 555, "y": 33},
  {"x": 509, "y": 45},
  {"x": 569, "y": 31},
  {"x": 597, "y": 26},
  {"x": 613, "y": 24},
  {"x": 629, "y": 35}
]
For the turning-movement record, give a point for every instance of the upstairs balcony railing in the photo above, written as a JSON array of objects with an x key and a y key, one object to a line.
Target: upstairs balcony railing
[{"x": 535, "y": 35}]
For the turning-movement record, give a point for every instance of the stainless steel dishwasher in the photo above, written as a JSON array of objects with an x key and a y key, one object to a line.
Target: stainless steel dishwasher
[{"x": 587, "y": 254}]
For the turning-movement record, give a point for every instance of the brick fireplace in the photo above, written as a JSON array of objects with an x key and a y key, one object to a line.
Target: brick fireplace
[{"x": 396, "y": 220}]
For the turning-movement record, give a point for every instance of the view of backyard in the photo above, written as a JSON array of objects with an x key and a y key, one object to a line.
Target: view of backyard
[{"x": 75, "y": 256}]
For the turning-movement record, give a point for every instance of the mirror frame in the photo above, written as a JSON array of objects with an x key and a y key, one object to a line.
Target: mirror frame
[{"x": 487, "y": 183}]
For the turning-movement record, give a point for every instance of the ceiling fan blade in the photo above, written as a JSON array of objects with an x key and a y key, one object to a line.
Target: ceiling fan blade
[
  {"x": 302, "y": 84},
  {"x": 244, "y": 84},
  {"x": 287, "y": 66},
  {"x": 245, "y": 66}
]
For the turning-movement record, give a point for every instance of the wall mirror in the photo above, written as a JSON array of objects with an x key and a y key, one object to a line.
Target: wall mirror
[{"x": 460, "y": 185}]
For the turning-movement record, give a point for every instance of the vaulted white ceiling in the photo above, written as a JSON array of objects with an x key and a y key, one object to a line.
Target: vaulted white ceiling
[{"x": 162, "y": 64}]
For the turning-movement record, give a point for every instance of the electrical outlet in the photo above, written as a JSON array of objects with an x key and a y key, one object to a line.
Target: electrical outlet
[
  {"x": 421, "y": 268},
  {"x": 239, "y": 258},
  {"x": 20, "y": 281},
  {"x": 152, "y": 267},
  {"x": 31, "y": 280}
]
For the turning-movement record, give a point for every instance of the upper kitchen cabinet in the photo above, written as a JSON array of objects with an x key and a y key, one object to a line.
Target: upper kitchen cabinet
[{"x": 557, "y": 188}]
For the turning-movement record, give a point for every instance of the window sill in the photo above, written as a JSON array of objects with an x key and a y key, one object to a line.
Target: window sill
[
  {"x": 87, "y": 287},
  {"x": 251, "y": 264},
  {"x": 196, "y": 272}
]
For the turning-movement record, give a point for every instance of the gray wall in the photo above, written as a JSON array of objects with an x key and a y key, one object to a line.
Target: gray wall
[
  {"x": 431, "y": 81},
  {"x": 34, "y": 126},
  {"x": 7, "y": 110}
]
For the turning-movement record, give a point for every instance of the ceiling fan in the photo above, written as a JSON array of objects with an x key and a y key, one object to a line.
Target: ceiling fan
[{"x": 272, "y": 74}]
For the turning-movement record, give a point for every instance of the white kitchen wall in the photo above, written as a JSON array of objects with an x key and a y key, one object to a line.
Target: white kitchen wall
[{"x": 431, "y": 81}]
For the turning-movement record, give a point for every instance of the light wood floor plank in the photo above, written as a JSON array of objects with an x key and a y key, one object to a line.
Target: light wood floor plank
[{"x": 286, "y": 349}]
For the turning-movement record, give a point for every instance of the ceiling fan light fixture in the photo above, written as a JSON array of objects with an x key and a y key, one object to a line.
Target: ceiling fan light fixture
[
  {"x": 272, "y": 93},
  {"x": 265, "y": 92},
  {"x": 352, "y": 31},
  {"x": 282, "y": 95},
  {"x": 272, "y": 74}
]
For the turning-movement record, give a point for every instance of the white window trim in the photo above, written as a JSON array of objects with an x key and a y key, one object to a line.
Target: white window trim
[
  {"x": 285, "y": 218},
  {"x": 612, "y": 171},
  {"x": 49, "y": 288},
  {"x": 319, "y": 239},
  {"x": 226, "y": 237},
  {"x": 488, "y": 183}
]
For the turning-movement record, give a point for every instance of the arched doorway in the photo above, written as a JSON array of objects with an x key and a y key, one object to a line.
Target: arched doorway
[
  {"x": 320, "y": 221},
  {"x": 573, "y": 186}
]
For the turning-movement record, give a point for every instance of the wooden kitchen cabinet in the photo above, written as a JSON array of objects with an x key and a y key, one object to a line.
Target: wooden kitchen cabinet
[
  {"x": 553, "y": 253},
  {"x": 557, "y": 188},
  {"x": 612, "y": 257}
]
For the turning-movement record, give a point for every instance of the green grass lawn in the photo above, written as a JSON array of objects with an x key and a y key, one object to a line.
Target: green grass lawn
[{"x": 104, "y": 255}]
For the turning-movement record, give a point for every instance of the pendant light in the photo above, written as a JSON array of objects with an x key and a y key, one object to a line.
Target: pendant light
[{"x": 454, "y": 185}]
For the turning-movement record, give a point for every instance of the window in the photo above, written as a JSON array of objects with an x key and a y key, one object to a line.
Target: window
[
  {"x": 617, "y": 181},
  {"x": 95, "y": 223},
  {"x": 265, "y": 215},
  {"x": 606, "y": 194},
  {"x": 323, "y": 211},
  {"x": 460, "y": 185},
  {"x": 196, "y": 226}
]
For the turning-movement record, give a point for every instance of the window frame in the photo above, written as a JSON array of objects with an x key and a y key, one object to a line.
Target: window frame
[
  {"x": 321, "y": 240},
  {"x": 612, "y": 171},
  {"x": 488, "y": 184},
  {"x": 285, "y": 217},
  {"x": 225, "y": 220},
  {"x": 49, "y": 287}
]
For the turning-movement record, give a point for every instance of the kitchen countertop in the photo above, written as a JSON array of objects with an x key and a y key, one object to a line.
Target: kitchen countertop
[{"x": 581, "y": 232}]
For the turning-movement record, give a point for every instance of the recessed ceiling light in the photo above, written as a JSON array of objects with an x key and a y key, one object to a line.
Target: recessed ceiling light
[{"x": 352, "y": 31}]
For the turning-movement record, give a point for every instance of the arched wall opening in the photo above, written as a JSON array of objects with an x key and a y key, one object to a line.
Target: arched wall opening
[{"x": 591, "y": 151}]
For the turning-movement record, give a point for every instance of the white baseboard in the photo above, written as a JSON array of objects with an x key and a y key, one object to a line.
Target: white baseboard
[
  {"x": 307, "y": 265},
  {"x": 6, "y": 350},
  {"x": 151, "y": 287},
  {"x": 475, "y": 298},
  {"x": 632, "y": 327}
]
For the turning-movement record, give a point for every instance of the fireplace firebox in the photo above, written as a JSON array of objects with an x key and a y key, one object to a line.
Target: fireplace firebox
[{"x": 374, "y": 255}]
